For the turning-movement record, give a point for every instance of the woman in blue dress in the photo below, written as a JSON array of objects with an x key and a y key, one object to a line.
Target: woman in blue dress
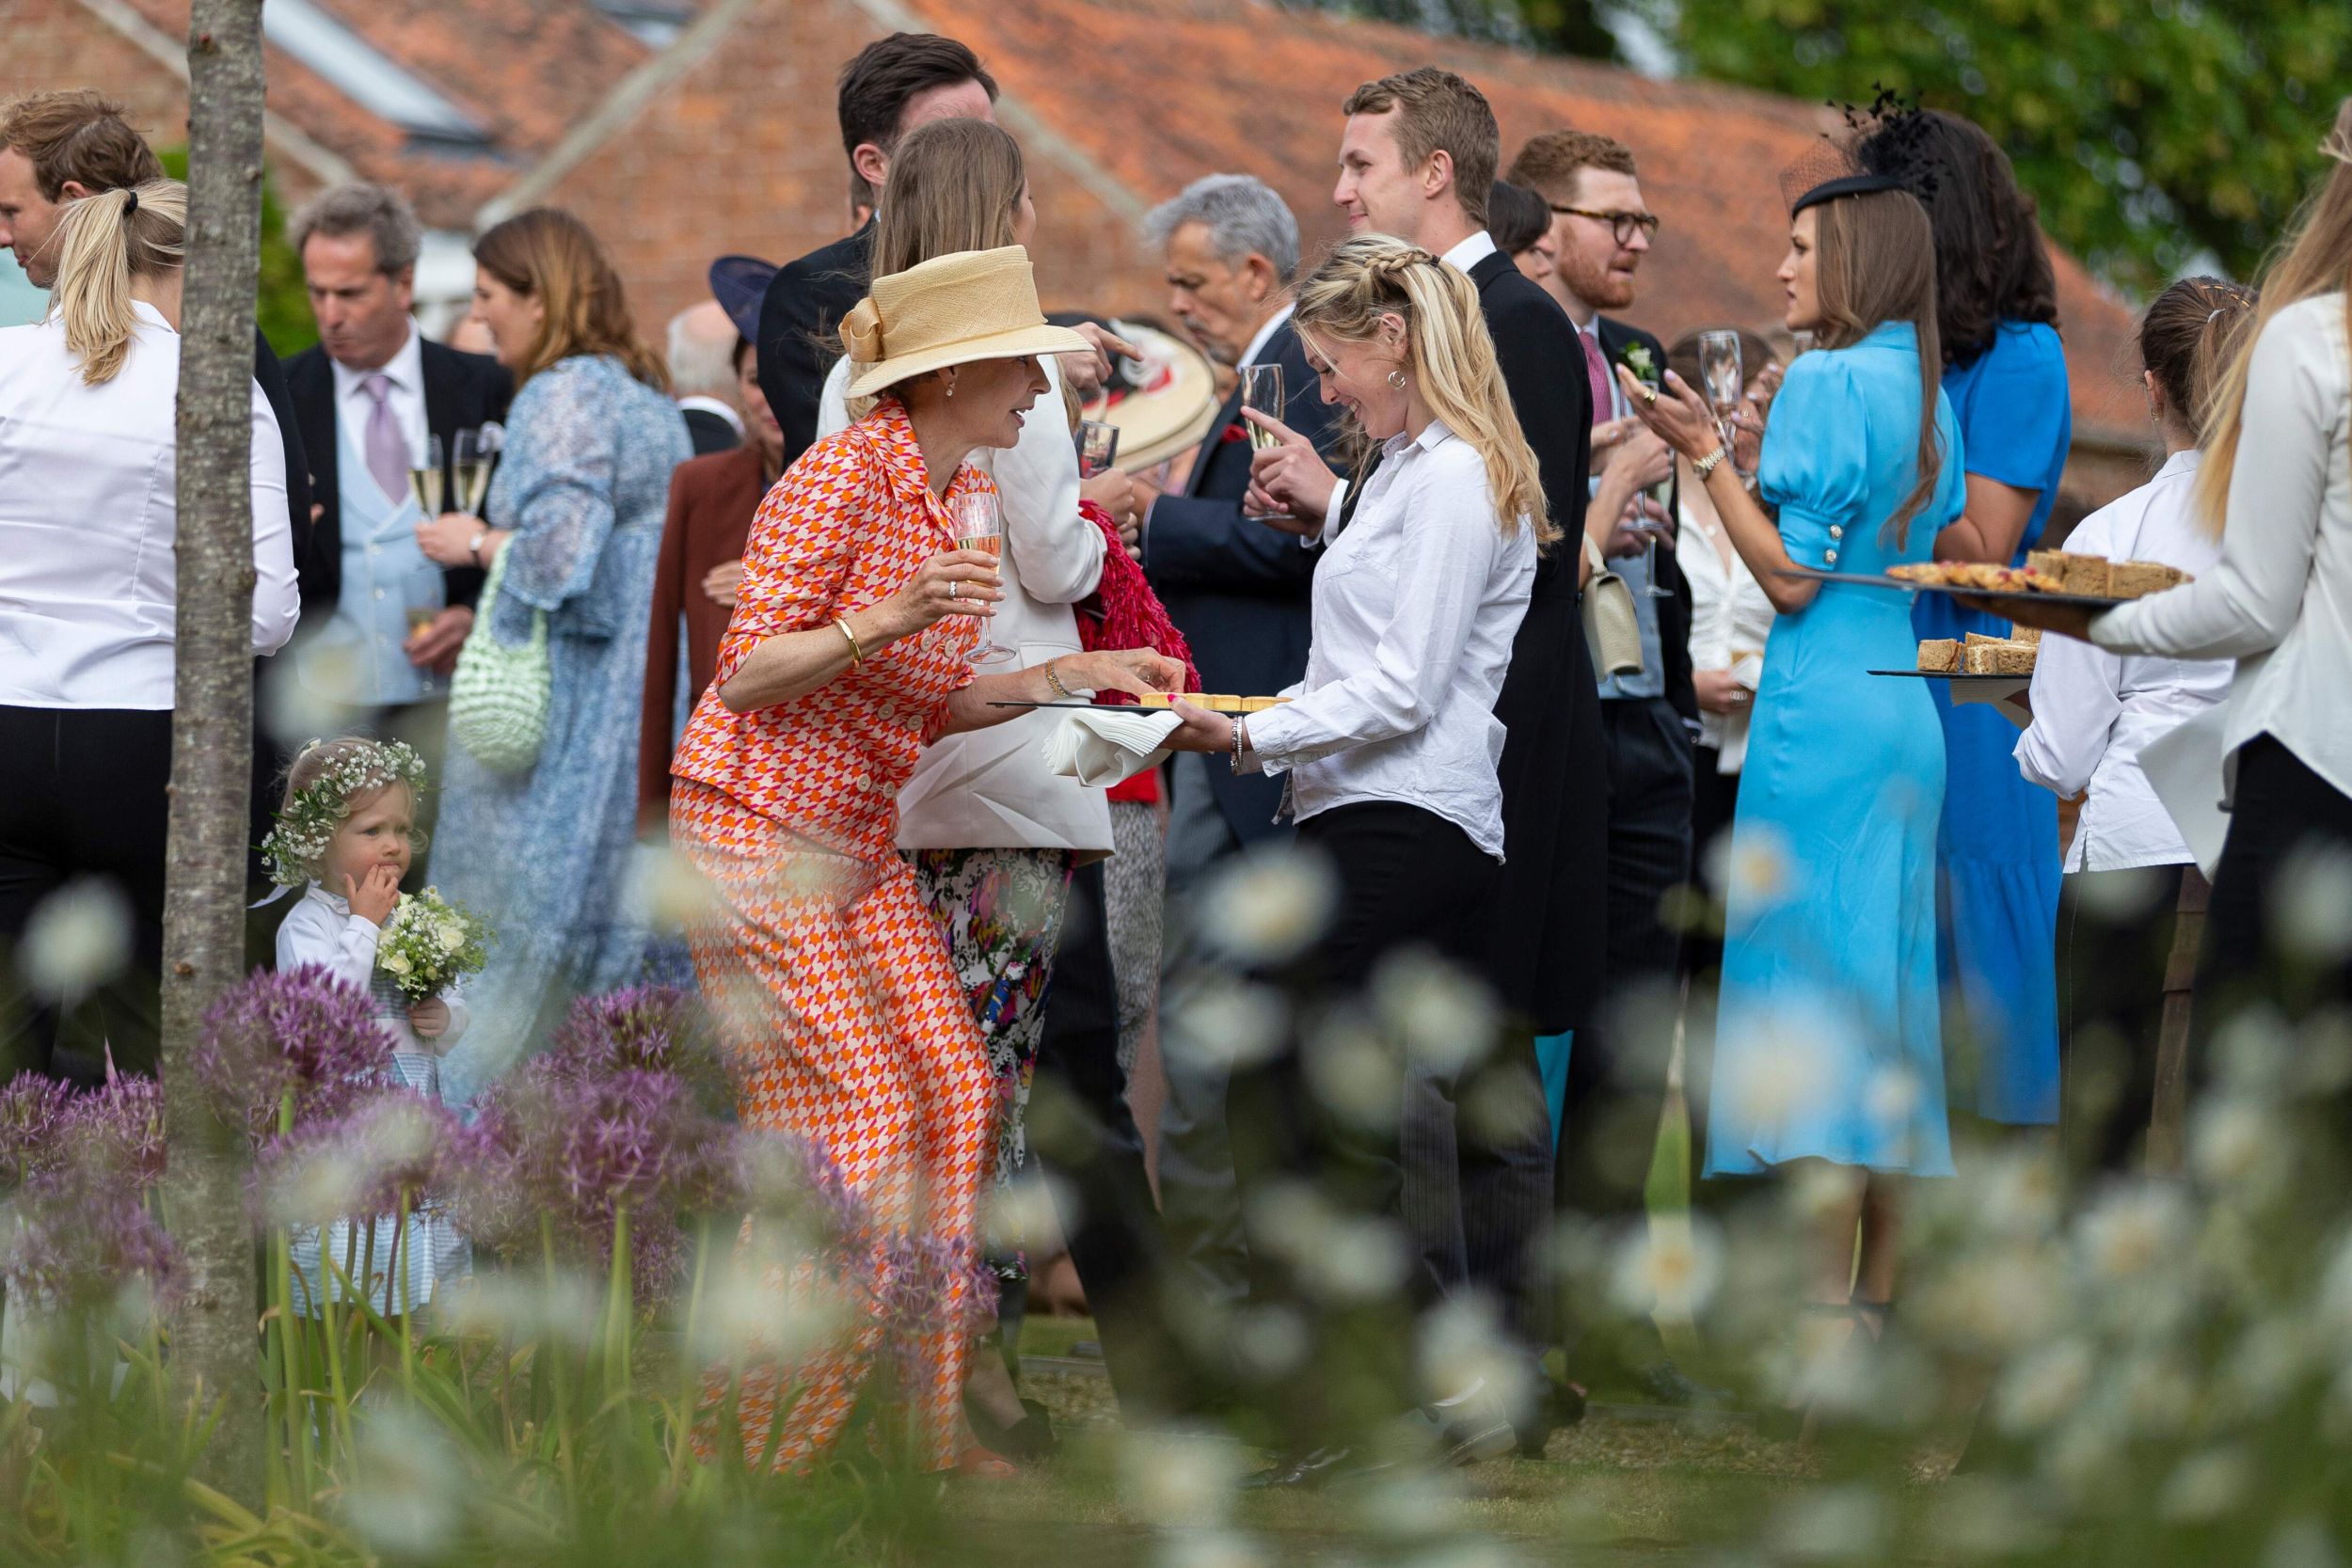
[
  {"x": 1828, "y": 1042},
  {"x": 1996, "y": 313},
  {"x": 578, "y": 501}
]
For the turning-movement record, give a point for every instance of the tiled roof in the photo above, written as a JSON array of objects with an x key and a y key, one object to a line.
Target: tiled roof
[
  {"x": 1161, "y": 91},
  {"x": 520, "y": 71}
]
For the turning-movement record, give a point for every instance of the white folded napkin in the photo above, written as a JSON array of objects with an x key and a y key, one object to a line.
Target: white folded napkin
[{"x": 1108, "y": 745}]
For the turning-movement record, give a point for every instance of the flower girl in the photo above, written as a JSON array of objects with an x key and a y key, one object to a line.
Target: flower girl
[{"x": 345, "y": 835}]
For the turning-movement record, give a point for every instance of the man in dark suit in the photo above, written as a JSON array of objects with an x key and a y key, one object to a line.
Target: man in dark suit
[
  {"x": 1617, "y": 1068},
  {"x": 701, "y": 357},
  {"x": 368, "y": 397},
  {"x": 1238, "y": 590},
  {"x": 891, "y": 86},
  {"x": 1417, "y": 158}
]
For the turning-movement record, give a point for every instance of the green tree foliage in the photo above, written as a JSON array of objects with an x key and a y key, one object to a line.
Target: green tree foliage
[
  {"x": 2156, "y": 133},
  {"x": 284, "y": 305}
]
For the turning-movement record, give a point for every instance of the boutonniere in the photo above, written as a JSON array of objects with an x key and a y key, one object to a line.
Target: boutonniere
[
  {"x": 1636, "y": 358},
  {"x": 1234, "y": 433}
]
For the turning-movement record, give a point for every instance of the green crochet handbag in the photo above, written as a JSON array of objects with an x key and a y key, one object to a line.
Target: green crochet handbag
[{"x": 498, "y": 698}]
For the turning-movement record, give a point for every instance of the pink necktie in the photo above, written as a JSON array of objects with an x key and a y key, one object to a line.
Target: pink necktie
[
  {"x": 387, "y": 451},
  {"x": 1597, "y": 368}
]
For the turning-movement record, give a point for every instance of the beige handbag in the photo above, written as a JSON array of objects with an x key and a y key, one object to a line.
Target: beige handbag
[{"x": 1611, "y": 628}]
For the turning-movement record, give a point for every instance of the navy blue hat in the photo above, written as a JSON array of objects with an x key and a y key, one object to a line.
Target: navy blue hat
[{"x": 738, "y": 283}]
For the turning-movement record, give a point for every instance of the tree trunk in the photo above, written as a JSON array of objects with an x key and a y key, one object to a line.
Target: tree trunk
[{"x": 214, "y": 1345}]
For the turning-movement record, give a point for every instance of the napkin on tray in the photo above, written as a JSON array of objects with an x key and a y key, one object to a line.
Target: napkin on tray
[{"x": 1106, "y": 745}]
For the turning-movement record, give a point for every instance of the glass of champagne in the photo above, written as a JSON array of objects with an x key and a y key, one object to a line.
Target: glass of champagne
[
  {"x": 1261, "y": 390},
  {"x": 979, "y": 526},
  {"x": 1720, "y": 368},
  {"x": 425, "y": 479},
  {"x": 469, "y": 472},
  {"x": 424, "y": 606},
  {"x": 1098, "y": 447}
]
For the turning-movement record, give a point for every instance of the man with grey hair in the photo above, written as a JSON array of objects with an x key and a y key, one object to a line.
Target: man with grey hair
[
  {"x": 701, "y": 360},
  {"x": 1238, "y": 588},
  {"x": 370, "y": 398}
]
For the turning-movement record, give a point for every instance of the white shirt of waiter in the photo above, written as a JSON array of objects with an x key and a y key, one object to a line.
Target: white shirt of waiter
[
  {"x": 2096, "y": 711},
  {"x": 1416, "y": 605},
  {"x": 2281, "y": 601},
  {"x": 88, "y": 511}
]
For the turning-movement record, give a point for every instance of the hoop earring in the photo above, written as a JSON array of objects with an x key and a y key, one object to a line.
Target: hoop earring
[{"x": 1396, "y": 379}]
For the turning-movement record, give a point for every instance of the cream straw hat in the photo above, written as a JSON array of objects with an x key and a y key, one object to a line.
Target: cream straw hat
[{"x": 949, "y": 310}]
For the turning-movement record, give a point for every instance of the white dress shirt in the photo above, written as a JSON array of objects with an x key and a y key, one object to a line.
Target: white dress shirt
[
  {"x": 1415, "y": 609},
  {"x": 2095, "y": 711},
  {"x": 2281, "y": 601},
  {"x": 990, "y": 789},
  {"x": 321, "y": 929},
  {"x": 88, "y": 510},
  {"x": 1730, "y": 619},
  {"x": 354, "y": 407}
]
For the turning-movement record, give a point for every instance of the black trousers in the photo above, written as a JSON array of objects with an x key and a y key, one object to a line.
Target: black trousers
[
  {"x": 2115, "y": 937},
  {"x": 83, "y": 795},
  {"x": 1406, "y": 879},
  {"x": 1086, "y": 1138},
  {"x": 2281, "y": 815}
]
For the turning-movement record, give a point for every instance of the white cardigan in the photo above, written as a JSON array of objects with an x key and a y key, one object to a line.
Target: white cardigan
[
  {"x": 1730, "y": 619},
  {"x": 2280, "y": 603},
  {"x": 989, "y": 789}
]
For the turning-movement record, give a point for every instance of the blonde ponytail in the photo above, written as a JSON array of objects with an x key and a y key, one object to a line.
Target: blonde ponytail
[
  {"x": 103, "y": 241},
  {"x": 1448, "y": 351}
]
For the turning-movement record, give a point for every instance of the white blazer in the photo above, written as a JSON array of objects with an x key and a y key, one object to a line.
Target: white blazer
[{"x": 989, "y": 789}]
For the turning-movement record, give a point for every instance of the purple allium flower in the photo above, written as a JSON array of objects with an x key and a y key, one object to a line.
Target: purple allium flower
[
  {"x": 33, "y": 1111},
  {"x": 390, "y": 1143},
  {"x": 301, "y": 1030},
  {"x": 74, "y": 1238},
  {"x": 644, "y": 1029},
  {"x": 119, "y": 1128}
]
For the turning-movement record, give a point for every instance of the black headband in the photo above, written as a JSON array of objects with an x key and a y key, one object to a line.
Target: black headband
[
  {"x": 1845, "y": 185},
  {"x": 130, "y": 201}
]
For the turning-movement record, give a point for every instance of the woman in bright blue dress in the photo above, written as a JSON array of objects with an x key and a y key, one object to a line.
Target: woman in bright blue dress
[
  {"x": 1996, "y": 307},
  {"x": 578, "y": 504},
  {"x": 1828, "y": 1039}
]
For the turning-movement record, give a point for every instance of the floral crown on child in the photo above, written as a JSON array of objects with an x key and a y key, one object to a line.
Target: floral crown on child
[{"x": 308, "y": 821}]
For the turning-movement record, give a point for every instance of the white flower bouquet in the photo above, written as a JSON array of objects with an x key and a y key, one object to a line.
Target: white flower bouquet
[{"x": 428, "y": 942}]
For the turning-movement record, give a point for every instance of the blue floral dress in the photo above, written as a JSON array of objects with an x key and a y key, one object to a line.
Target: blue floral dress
[
  {"x": 1828, "y": 1042},
  {"x": 544, "y": 855},
  {"x": 1997, "y": 850}
]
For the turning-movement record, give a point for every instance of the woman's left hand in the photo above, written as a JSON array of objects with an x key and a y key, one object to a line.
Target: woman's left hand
[
  {"x": 1137, "y": 671},
  {"x": 1675, "y": 412},
  {"x": 448, "y": 539},
  {"x": 1201, "y": 730}
]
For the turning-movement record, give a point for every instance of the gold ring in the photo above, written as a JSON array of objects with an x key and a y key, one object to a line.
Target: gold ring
[{"x": 1649, "y": 397}]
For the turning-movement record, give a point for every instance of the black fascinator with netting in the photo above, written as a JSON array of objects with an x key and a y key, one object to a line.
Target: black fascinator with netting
[{"x": 1882, "y": 149}]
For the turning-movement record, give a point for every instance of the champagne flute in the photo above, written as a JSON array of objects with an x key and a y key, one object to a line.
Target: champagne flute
[
  {"x": 1720, "y": 368},
  {"x": 425, "y": 605},
  {"x": 469, "y": 472},
  {"x": 1261, "y": 390},
  {"x": 979, "y": 526},
  {"x": 425, "y": 479},
  {"x": 1098, "y": 447}
]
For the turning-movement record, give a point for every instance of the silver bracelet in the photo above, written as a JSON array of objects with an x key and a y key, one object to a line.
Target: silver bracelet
[{"x": 1241, "y": 743}]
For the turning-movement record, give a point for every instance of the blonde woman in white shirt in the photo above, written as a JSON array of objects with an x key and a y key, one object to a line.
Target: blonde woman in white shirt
[
  {"x": 88, "y": 594},
  {"x": 1391, "y": 741},
  {"x": 2094, "y": 712},
  {"x": 2278, "y": 481}
]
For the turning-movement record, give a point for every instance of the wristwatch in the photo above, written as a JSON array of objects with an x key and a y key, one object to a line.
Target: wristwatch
[{"x": 473, "y": 546}]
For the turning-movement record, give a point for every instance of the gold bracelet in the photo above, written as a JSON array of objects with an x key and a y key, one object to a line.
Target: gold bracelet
[
  {"x": 1053, "y": 683},
  {"x": 857, "y": 655},
  {"x": 1708, "y": 465}
]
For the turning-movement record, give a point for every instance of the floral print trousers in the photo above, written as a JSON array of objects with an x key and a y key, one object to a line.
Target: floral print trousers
[{"x": 1001, "y": 912}]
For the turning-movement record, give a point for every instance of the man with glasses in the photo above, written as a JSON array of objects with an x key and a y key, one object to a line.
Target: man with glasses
[{"x": 1615, "y": 1073}]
